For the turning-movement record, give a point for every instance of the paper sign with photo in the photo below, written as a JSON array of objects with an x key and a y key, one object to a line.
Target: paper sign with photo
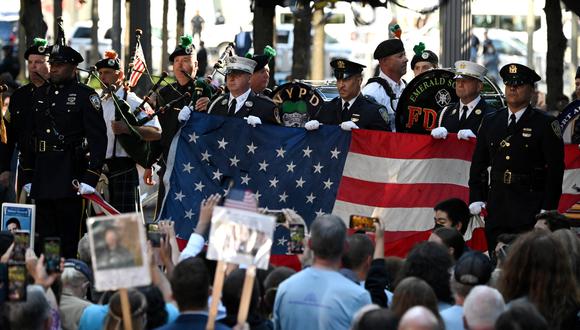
[
  {"x": 119, "y": 251},
  {"x": 19, "y": 217},
  {"x": 241, "y": 237}
]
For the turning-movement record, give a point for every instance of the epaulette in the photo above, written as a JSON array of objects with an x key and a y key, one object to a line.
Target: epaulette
[
  {"x": 264, "y": 97},
  {"x": 372, "y": 100}
]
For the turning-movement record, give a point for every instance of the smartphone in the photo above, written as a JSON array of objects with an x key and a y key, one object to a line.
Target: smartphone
[
  {"x": 361, "y": 222},
  {"x": 296, "y": 244},
  {"x": 17, "y": 281},
  {"x": 52, "y": 254},
  {"x": 154, "y": 234},
  {"x": 21, "y": 243},
  {"x": 280, "y": 217}
]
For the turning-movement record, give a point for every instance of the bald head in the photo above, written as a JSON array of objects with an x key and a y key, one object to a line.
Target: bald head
[
  {"x": 419, "y": 318},
  {"x": 482, "y": 307}
]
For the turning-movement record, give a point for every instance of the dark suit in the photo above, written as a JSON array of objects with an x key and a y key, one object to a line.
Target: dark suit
[
  {"x": 364, "y": 112},
  {"x": 191, "y": 322},
  {"x": 255, "y": 105},
  {"x": 451, "y": 114},
  {"x": 527, "y": 169}
]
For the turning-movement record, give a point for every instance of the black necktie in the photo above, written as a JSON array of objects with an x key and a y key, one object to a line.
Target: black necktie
[
  {"x": 512, "y": 126},
  {"x": 463, "y": 114},
  {"x": 232, "y": 108},
  {"x": 345, "y": 114}
]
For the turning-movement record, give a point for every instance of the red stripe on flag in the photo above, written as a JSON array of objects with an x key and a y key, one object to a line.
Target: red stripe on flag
[
  {"x": 572, "y": 156},
  {"x": 397, "y": 195},
  {"x": 567, "y": 201},
  {"x": 410, "y": 146}
]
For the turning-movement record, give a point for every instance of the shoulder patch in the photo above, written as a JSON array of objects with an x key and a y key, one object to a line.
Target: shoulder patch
[
  {"x": 384, "y": 114},
  {"x": 95, "y": 101},
  {"x": 556, "y": 128}
]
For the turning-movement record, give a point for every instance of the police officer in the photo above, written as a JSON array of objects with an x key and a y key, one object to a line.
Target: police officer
[
  {"x": 464, "y": 117},
  {"x": 67, "y": 123},
  {"x": 350, "y": 109},
  {"x": 184, "y": 62},
  {"x": 423, "y": 59},
  {"x": 524, "y": 148},
  {"x": 120, "y": 169},
  {"x": 387, "y": 88},
  {"x": 18, "y": 116},
  {"x": 241, "y": 101},
  {"x": 261, "y": 76}
]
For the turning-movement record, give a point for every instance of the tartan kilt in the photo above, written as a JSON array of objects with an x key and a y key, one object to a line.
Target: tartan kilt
[{"x": 123, "y": 184}]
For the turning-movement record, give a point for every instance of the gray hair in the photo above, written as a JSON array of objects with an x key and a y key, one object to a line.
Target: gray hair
[
  {"x": 419, "y": 317},
  {"x": 30, "y": 314},
  {"x": 73, "y": 278},
  {"x": 328, "y": 236},
  {"x": 483, "y": 306},
  {"x": 84, "y": 250}
]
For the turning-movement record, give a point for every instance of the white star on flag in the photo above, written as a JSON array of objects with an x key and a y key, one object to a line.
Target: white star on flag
[
  {"x": 187, "y": 168},
  {"x": 318, "y": 168},
  {"x": 300, "y": 183},
  {"x": 234, "y": 161},
  {"x": 263, "y": 165},
  {"x": 320, "y": 213},
  {"x": 334, "y": 153},
  {"x": 290, "y": 167},
  {"x": 257, "y": 195},
  {"x": 222, "y": 144},
  {"x": 327, "y": 184},
  {"x": 199, "y": 186},
  {"x": 193, "y": 137},
  {"x": 217, "y": 174},
  {"x": 310, "y": 198},
  {"x": 273, "y": 182},
  {"x": 307, "y": 151},
  {"x": 280, "y": 152},
  {"x": 179, "y": 196},
  {"x": 205, "y": 156},
  {"x": 283, "y": 197},
  {"x": 245, "y": 179},
  {"x": 282, "y": 241},
  {"x": 189, "y": 214},
  {"x": 252, "y": 148}
]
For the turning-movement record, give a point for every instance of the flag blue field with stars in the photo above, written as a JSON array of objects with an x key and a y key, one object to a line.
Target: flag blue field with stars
[{"x": 285, "y": 168}]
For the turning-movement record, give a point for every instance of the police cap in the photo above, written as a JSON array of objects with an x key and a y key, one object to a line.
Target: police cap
[
  {"x": 518, "y": 74},
  {"x": 64, "y": 54},
  {"x": 344, "y": 68}
]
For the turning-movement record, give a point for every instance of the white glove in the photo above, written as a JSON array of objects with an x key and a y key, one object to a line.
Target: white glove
[
  {"x": 85, "y": 189},
  {"x": 348, "y": 125},
  {"x": 27, "y": 188},
  {"x": 253, "y": 120},
  {"x": 476, "y": 207},
  {"x": 439, "y": 133},
  {"x": 184, "y": 114},
  {"x": 465, "y": 134},
  {"x": 311, "y": 125}
]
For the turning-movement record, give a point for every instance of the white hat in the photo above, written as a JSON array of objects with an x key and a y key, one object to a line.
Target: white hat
[
  {"x": 241, "y": 64},
  {"x": 469, "y": 69}
]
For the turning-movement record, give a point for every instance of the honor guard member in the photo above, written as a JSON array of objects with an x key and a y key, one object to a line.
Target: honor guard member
[
  {"x": 70, "y": 143},
  {"x": 387, "y": 88},
  {"x": 524, "y": 148},
  {"x": 423, "y": 59},
  {"x": 350, "y": 109},
  {"x": 120, "y": 168},
  {"x": 241, "y": 101},
  {"x": 184, "y": 62},
  {"x": 261, "y": 76},
  {"x": 18, "y": 117},
  {"x": 464, "y": 117}
]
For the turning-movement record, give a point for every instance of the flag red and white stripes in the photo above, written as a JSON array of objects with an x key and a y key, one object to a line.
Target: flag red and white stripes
[
  {"x": 139, "y": 66},
  {"x": 241, "y": 199}
]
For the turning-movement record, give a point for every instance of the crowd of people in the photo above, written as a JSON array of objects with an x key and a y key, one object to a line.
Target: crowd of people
[{"x": 530, "y": 279}]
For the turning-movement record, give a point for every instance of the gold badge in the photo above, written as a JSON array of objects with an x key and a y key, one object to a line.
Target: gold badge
[
  {"x": 526, "y": 129},
  {"x": 478, "y": 112},
  {"x": 462, "y": 65},
  {"x": 513, "y": 68},
  {"x": 355, "y": 117},
  {"x": 526, "y": 135},
  {"x": 340, "y": 64}
]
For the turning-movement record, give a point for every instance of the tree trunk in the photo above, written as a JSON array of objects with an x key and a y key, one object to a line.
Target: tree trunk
[
  {"x": 179, "y": 29},
  {"x": 164, "y": 37},
  {"x": 302, "y": 41},
  {"x": 264, "y": 34},
  {"x": 116, "y": 31},
  {"x": 57, "y": 4},
  {"x": 555, "y": 55},
  {"x": 94, "y": 56},
  {"x": 32, "y": 20},
  {"x": 141, "y": 19}
]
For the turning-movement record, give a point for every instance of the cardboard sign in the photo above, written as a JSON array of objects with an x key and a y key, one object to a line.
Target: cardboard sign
[
  {"x": 19, "y": 217},
  {"x": 119, "y": 251},
  {"x": 241, "y": 237}
]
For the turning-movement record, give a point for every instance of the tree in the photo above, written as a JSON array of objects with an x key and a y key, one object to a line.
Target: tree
[
  {"x": 302, "y": 40},
  {"x": 555, "y": 56},
  {"x": 164, "y": 37},
  {"x": 32, "y": 20},
  {"x": 179, "y": 29},
  {"x": 94, "y": 55},
  {"x": 264, "y": 15}
]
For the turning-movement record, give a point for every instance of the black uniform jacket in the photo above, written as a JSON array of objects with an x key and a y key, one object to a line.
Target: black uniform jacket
[
  {"x": 450, "y": 117},
  {"x": 255, "y": 105},
  {"x": 364, "y": 112}
]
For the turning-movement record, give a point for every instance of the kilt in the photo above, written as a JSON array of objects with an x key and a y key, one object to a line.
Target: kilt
[{"x": 123, "y": 184}]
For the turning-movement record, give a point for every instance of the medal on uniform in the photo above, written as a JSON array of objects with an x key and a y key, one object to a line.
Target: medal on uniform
[
  {"x": 453, "y": 112},
  {"x": 249, "y": 104},
  {"x": 224, "y": 102},
  {"x": 355, "y": 117},
  {"x": 478, "y": 112}
]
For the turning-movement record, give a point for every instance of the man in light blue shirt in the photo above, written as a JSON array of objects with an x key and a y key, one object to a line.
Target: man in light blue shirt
[{"x": 320, "y": 297}]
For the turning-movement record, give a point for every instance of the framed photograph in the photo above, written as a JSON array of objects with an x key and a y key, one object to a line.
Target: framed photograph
[
  {"x": 119, "y": 251},
  {"x": 241, "y": 237},
  {"x": 21, "y": 217}
]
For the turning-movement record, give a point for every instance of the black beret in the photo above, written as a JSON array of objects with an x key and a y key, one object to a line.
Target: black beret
[
  {"x": 185, "y": 47},
  {"x": 518, "y": 74},
  {"x": 110, "y": 61},
  {"x": 344, "y": 68},
  {"x": 64, "y": 54},
  {"x": 40, "y": 47},
  {"x": 426, "y": 56},
  {"x": 388, "y": 47},
  {"x": 262, "y": 61},
  {"x": 577, "y": 73}
]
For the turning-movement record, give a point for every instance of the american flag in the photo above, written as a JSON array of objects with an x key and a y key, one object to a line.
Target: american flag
[
  {"x": 139, "y": 65},
  {"x": 241, "y": 199}
]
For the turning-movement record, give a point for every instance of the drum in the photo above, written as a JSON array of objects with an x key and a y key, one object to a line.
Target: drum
[{"x": 298, "y": 102}]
